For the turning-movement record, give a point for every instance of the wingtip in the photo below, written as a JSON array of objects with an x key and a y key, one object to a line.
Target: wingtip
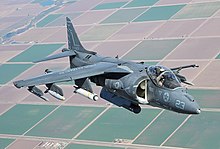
[
  {"x": 196, "y": 65},
  {"x": 39, "y": 60},
  {"x": 18, "y": 84},
  {"x": 36, "y": 61}
]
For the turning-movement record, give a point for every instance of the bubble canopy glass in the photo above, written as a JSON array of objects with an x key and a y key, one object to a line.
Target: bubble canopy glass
[{"x": 163, "y": 77}]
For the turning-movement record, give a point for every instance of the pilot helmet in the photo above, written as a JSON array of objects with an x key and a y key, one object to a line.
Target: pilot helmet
[{"x": 159, "y": 70}]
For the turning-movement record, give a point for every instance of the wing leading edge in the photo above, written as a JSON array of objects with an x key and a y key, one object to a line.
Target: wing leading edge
[{"x": 69, "y": 75}]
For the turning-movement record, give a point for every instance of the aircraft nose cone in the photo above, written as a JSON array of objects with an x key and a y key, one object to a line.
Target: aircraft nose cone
[
  {"x": 198, "y": 111},
  {"x": 195, "y": 111},
  {"x": 193, "y": 107}
]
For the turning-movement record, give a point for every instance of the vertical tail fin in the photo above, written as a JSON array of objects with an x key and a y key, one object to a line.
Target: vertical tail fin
[
  {"x": 73, "y": 40},
  {"x": 75, "y": 44}
]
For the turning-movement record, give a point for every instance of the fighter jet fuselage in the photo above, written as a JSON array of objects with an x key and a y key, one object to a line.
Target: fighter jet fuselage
[{"x": 126, "y": 84}]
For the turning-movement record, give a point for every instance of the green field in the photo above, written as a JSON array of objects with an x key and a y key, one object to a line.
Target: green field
[
  {"x": 124, "y": 15},
  {"x": 218, "y": 57},
  {"x": 22, "y": 117},
  {"x": 118, "y": 123},
  {"x": 199, "y": 10},
  {"x": 48, "y": 20},
  {"x": 109, "y": 5},
  {"x": 206, "y": 98},
  {"x": 141, "y": 3},
  {"x": 5, "y": 142},
  {"x": 10, "y": 71},
  {"x": 65, "y": 122},
  {"x": 36, "y": 52},
  {"x": 200, "y": 132},
  {"x": 161, "y": 128},
  {"x": 159, "y": 13}
]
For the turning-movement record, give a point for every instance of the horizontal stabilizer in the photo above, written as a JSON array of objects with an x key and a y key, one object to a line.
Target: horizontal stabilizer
[{"x": 56, "y": 56}]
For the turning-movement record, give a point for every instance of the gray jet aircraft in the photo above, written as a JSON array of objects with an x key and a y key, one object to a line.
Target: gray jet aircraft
[{"x": 124, "y": 83}]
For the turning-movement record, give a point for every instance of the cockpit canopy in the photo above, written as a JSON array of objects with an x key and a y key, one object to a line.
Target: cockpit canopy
[{"x": 163, "y": 77}]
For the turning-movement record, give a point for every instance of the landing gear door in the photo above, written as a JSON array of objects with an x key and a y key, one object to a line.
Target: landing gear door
[{"x": 146, "y": 90}]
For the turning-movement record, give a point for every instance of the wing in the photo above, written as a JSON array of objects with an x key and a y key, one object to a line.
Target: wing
[{"x": 71, "y": 74}]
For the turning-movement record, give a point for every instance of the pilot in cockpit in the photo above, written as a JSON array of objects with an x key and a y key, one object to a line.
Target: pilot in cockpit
[
  {"x": 163, "y": 77},
  {"x": 160, "y": 76}
]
